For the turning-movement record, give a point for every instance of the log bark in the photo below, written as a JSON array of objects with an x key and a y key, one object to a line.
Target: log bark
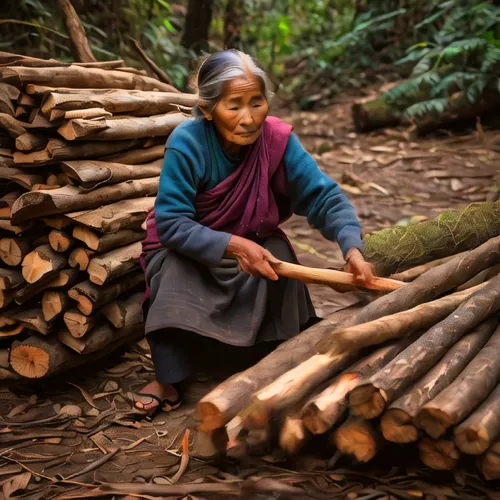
[
  {"x": 229, "y": 398},
  {"x": 78, "y": 324},
  {"x": 91, "y": 174},
  {"x": 40, "y": 261},
  {"x": 137, "y": 156},
  {"x": 54, "y": 303},
  {"x": 481, "y": 277},
  {"x": 10, "y": 59},
  {"x": 134, "y": 103},
  {"x": 31, "y": 142},
  {"x": 23, "y": 178},
  {"x": 32, "y": 319},
  {"x": 118, "y": 262},
  {"x": 109, "y": 241},
  {"x": 10, "y": 279},
  {"x": 466, "y": 392},
  {"x": 357, "y": 438},
  {"x": 56, "y": 222},
  {"x": 6, "y": 298},
  {"x": 81, "y": 77},
  {"x": 86, "y": 114},
  {"x": 482, "y": 428},
  {"x": 14, "y": 250},
  {"x": 81, "y": 49},
  {"x": 58, "y": 150},
  {"x": 414, "y": 272},
  {"x": 38, "y": 358},
  {"x": 5, "y": 225},
  {"x": 12, "y": 126},
  {"x": 90, "y": 297},
  {"x": 122, "y": 312},
  {"x": 438, "y": 454},
  {"x": 31, "y": 290},
  {"x": 79, "y": 258},
  {"x": 60, "y": 241},
  {"x": 373, "y": 114},
  {"x": 490, "y": 462},
  {"x": 115, "y": 216},
  {"x": 369, "y": 400},
  {"x": 6, "y": 203},
  {"x": 126, "y": 128},
  {"x": 323, "y": 410},
  {"x": 397, "y": 422},
  {"x": 70, "y": 198}
]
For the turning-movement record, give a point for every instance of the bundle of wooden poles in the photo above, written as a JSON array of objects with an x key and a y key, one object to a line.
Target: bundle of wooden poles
[
  {"x": 81, "y": 149},
  {"x": 417, "y": 365}
]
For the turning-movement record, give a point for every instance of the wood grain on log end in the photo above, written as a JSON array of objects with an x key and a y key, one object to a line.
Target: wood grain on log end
[
  {"x": 489, "y": 463},
  {"x": 441, "y": 454},
  {"x": 29, "y": 361},
  {"x": 433, "y": 421},
  {"x": 397, "y": 426},
  {"x": 367, "y": 401},
  {"x": 293, "y": 435},
  {"x": 358, "y": 438}
]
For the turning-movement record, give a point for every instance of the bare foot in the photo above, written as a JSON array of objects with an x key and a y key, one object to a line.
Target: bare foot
[{"x": 163, "y": 391}]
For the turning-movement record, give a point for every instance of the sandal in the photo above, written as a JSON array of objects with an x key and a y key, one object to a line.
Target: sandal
[{"x": 165, "y": 405}]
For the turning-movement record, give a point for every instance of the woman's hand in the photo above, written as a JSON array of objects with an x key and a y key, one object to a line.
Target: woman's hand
[
  {"x": 252, "y": 258},
  {"x": 356, "y": 264}
]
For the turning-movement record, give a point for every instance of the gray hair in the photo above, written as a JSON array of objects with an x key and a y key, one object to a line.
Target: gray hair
[{"x": 220, "y": 68}]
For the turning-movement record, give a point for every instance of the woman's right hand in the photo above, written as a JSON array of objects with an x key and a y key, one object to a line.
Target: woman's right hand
[{"x": 252, "y": 258}]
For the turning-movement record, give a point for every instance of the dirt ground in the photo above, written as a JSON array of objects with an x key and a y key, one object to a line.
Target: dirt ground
[{"x": 62, "y": 438}]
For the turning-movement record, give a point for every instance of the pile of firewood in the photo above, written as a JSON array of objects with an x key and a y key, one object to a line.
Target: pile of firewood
[
  {"x": 416, "y": 365},
  {"x": 81, "y": 148}
]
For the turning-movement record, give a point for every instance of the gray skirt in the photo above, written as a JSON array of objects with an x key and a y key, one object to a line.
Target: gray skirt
[{"x": 224, "y": 303}]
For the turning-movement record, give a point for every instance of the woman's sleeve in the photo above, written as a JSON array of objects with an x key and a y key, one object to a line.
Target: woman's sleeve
[
  {"x": 320, "y": 198},
  {"x": 175, "y": 213}
]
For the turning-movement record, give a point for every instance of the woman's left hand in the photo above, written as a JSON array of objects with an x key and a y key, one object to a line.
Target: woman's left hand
[{"x": 361, "y": 270}]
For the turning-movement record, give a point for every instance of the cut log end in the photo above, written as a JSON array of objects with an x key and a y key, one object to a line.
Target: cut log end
[
  {"x": 209, "y": 416},
  {"x": 490, "y": 463},
  {"x": 439, "y": 454},
  {"x": 433, "y": 421},
  {"x": 472, "y": 441},
  {"x": 30, "y": 361},
  {"x": 367, "y": 401},
  {"x": 313, "y": 421},
  {"x": 293, "y": 435},
  {"x": 357, "y": 438},
  {"x": 397, "y": 427}
]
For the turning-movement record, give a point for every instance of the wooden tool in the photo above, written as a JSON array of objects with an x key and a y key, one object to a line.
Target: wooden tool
[{"x": 331, "y": 277}]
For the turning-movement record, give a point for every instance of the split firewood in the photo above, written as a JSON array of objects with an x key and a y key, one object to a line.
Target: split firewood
[
  {"x": 482, "y": 428},
  {"x": 490, "y": 462},
  {"x": 131, "y": 102},
  {"x": 54, "y": 303},
  {"x": 9, "y": 327},
  {"x": 122, "y": 312},
  {"x": 137, "y": 156},
  {"x": 109, "y": 241},
  {"x": 60, "y": 179},
  {"x": 40, "y": 261},
  {"x": 294, "y": 435},
  {"x": 6, "y": 298},
  {"x": 14, "y": 250},
  {"x": 115, "y": 216},
  {"x": 24, "y": 178},
  {"x": 397, "y": 422},
  {"x": 32, "y": 319},
  {"x": 86, "y": 114},
  {"x": 11, "y": 59},
  {"x": 90, "y": 297},
  {"x": 118, "y": 262},
  {"x": 38, "y": 121},
  {"x": 6, "y": 203},
  {"x": 323, "y": 410},
  {"x": 56, "y": 222},
  {"x": 57, "y": 150},
  {"x": 70, "y": 198},
  {"x": 22, "y": 113},
  {"x": 126, "y": 128},
  {"x": 369, "y": 400},
  {"x": 78, "y": 324},
  {"x": 465, "y": 393},
  {"x": 229, "y": 398},
  {"x": 90, "y": 173},
  {"x": 79, "y": 258},
  {"x": 5, "y": 225},
  {"x": 358, "y": 438},
  {"x": 31, "y": 290},
  {"x": 28, "y": 101},
  {"x": 10, "y": 279},
  {"x": 60, "y": 241},
  {"x": 438, "y": 454},
  {"x": 81, "y": 77},
  {"x": 8, "y": 93},
  {"x": 36, "y": 357},
  {"x": 31, "y": 142},
  {"x": 13, "y": 127},
  {"x": 44, "y": 187},
  {"x": 57, "y": 115}
]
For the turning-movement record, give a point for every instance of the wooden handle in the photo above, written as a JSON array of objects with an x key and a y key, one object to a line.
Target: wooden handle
[{"x": 331, "y": 277}]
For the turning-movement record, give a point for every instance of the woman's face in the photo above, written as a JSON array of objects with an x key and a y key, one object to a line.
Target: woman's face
[{"x": 240, "y": 113}]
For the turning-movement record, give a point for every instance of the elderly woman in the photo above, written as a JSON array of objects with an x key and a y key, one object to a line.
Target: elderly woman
[{"x": 230, "y": 178}]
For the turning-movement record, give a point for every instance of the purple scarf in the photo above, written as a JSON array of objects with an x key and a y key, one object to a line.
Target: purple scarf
[{"x": 252, "y": 201}]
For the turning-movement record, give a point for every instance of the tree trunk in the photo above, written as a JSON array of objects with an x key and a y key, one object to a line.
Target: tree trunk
[
  {"x": 482, "y": 428},
  {"x": 233, "y": 17},
  {"x": 369, "y": 400},
  {"x": 358, "y": 438},
  {"x": 438, "y": 454},
  {"x": 115, "y": 216},
  {"x": 466, "y": 392},
  {"x": 81, "y": 77},
  {"x": 70, "y": 198},
  {"x": 91, "y": 174},
  {"x": 109, "y": 241},
  {"x": 81, "y": 49},
  {"x": 197, "y": 26},
  {"x": 490, "y": 462},
  {"x": 54, "y": 303},
  {"x": 125, "y": 128},
  {"x": 118, "y": 262},
  {"x": 323, "y": 410},
  {"x": 374, "y": 114},
  {"x": 40, "y": 261},
  {"x": 80, "y": 258},
  {"x": 397, "y": 422}
]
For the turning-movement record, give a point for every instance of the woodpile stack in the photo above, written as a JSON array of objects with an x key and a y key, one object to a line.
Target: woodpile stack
[
  {"x": 418, "y": 365},
  {"x": 81, "y": 149}
]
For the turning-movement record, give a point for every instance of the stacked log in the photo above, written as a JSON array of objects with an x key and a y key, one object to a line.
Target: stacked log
[
  {"x": 416, "y": 365},
  {"x": 81, "y": 154}
]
